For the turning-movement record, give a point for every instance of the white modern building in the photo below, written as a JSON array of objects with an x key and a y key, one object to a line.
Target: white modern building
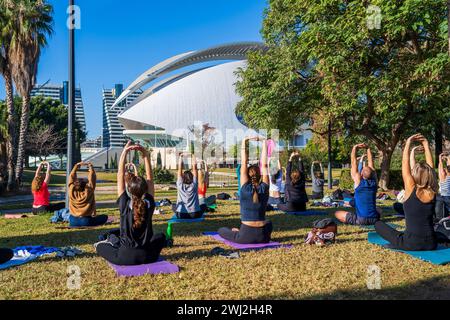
[
  {"x": 61, "y": 93},
  {"x": 192, "y": 88},
  {"x": 112, "y": 129}
]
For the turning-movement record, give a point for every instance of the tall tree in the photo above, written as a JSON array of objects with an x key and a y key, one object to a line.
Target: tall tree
[
  {"x": 32, "y": 23},
  {"x": 6, "y": 26},
  {"x": 381, "y": 82}
]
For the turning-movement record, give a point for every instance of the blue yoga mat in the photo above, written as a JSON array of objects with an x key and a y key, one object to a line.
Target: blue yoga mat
[
  {"x": 372, "y": 227},
  {"x": 439, "y": 256},
  {"x": 307, "y": 213},
  {"x": 174, "y": 219}
]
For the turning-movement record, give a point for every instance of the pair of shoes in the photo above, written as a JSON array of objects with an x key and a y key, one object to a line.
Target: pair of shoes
[{"x": 231, "y": 255}]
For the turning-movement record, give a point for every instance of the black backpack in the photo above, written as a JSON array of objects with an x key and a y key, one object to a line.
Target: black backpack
[
  {"x": 442, "y": 230},
  {"x": 223, "y": 196}
]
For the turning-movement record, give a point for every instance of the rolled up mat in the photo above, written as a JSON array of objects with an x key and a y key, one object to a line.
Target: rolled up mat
[
  {"x": 440, "y": 256},
  {"x": 239, "y": 246},
  {"x": 159, "y": 267},
  {"x": 17, "y": 216}
]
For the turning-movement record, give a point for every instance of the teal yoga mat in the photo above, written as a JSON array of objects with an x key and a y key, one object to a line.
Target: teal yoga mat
[{"x": 440, "y": 256}]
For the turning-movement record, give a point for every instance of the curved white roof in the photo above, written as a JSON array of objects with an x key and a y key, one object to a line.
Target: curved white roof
[
  {"x": 205, "y": 96},
  {"x": 233, "y": 51}
]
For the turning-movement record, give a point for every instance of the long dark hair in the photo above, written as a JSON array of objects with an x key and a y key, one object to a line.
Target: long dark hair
[
  {"x": 80, "y": 185},
  {"x": 254, "y": 175},
  {"x": 188, "y": 177},
  {"x": 137, "y": 187},
  {"x": 295, "y": 176}
]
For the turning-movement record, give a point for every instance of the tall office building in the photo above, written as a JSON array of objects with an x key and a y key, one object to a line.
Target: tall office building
[
  {"x": 61, "y": 93},
  {"x": 112, "y": 128}
]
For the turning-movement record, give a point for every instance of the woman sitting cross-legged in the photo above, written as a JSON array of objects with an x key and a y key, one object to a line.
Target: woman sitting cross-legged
[
  {"x": 82, "y": 205},
  {"x": 295, "y": 191},
  {"x": 5, "y": 255},
  {"x": 134, "y": 243},
  {"x": 188, "y": 204},
  {"x": 421, "y": 187},
  {"x": 276, "y": 181},
  {"x": 41, "y": 195},
  {"x": 366, "y": 186},
  {"x": 318, "y": 181},
  {"x": 253, "y": 198},
  {"x": 443, "y": 199}
]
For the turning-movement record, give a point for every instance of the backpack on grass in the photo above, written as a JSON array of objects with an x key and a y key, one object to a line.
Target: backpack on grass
[{"x": 324, "y": 232}]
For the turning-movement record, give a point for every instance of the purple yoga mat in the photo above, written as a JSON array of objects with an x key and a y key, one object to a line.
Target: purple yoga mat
[
  {"x": 160, "y": 267},
  {"x": 270, "y": 245}
]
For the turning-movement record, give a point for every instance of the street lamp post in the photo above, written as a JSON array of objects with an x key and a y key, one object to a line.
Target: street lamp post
[{"x": 71, "y": 107}]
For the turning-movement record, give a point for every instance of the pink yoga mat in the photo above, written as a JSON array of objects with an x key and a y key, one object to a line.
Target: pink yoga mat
[
  {"x": 17, "y": 216},
  {"x": 270, "y": 245},
  {"x": 160, "y": 267}
]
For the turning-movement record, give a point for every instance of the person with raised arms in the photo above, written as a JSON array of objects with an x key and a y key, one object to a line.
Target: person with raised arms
[
  {"x": 421, "y": 187},
  {"x": 134, "y": 243},
  {"x": 295, "y": 187},
  {"x": 366, "y": 186},
  {"x": 82, "y": 206},
  {"x": 318, "y": 181},
  {"x": 203, "y": 185},
  {"x": 443, "y": 199},
  {"x": 188, "y": 204},
  {"x": 276, "y": 180},
  {"x": 253, "y": 198},
  {"x": 41, "y": 194}
]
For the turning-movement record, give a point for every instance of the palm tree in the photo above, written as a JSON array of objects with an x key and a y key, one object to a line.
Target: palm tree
[
  {"x": 32, "y": 23},
  {"x": 5, "y": 71}
]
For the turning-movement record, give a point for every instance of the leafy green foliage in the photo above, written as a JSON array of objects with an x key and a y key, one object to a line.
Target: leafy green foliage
[{"x": 324, "y": 64}]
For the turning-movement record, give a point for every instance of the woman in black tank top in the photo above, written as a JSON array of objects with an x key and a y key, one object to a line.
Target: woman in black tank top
[{"x": 420, "y": 189}]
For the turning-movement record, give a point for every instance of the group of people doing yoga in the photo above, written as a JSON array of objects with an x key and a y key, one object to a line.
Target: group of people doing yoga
[{"x": 135, "y": 242}]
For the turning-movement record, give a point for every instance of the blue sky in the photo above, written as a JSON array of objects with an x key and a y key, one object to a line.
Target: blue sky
[{"x": 120, "y": 39}]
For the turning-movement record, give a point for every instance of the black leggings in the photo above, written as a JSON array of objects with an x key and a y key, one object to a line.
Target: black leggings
[
  {"x": 5, "y": 255},
  {"x": 292, "y": 206},
  {"x": 402, "y": 241},
  {"x": 113, "y": 252},
  {"x": 50, "y": 208},
  {"x": 247, "y": 234}
]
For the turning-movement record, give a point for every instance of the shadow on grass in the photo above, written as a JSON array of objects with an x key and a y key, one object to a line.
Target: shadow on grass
[{"x": 437, "y": 288}]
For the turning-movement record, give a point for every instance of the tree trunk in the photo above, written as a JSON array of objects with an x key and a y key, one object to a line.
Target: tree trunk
[
  {"x": 22, "y": 137},
  {"x": 386, "y": 157},
  {"x": 11, "y": 137}
]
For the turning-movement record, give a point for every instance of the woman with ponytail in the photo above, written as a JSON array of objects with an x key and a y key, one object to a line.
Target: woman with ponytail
[
  {"x": 253, "y": 197},
  {"x": 41, "y": 195},
  {"x": 134, "y": 243},
  {"x": 421, "y": 187},
  {"x": 295, "y": 191}
]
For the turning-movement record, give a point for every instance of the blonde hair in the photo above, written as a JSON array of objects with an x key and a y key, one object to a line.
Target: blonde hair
[
  {"x": 36, "y": 185},
  {"x": 425, "y": 178}
]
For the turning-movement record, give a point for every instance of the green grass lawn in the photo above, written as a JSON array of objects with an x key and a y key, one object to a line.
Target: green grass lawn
[{"x": 338, "y": 271}]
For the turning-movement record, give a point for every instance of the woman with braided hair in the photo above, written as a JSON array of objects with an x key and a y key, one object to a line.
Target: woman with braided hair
[
  {"x": 253, "y": 197},
  {"x": 134, "y": 243},
  {"x": 421, "y": 187}
]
